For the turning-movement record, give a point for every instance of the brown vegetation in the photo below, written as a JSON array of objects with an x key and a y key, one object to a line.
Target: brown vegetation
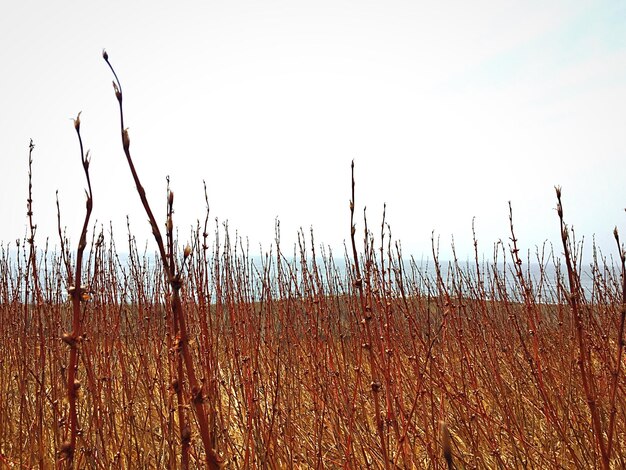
[{"x": 207, "y": 356}]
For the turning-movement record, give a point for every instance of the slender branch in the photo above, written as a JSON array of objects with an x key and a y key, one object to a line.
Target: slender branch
[
  {"x": 366, "y": 312},
  {"x": 620, "y": 348},
  {"x": 586, "y": 373},
  {"x": 174, "y": 280},
  {"x": 72, "y": 339}
]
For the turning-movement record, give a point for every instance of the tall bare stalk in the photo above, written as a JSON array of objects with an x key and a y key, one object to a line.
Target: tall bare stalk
[
  {"x": 175, "y": 283},
  {"x": 365, "y": 302},
  {"x": 620, "y": 348},
  {"x": 575, "y": 300},
  {"x": 76, "y": 292},
  {"x": 32, "y": 268}
]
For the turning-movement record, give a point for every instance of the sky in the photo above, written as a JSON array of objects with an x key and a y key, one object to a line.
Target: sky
[{"x": 449, "y": 110}]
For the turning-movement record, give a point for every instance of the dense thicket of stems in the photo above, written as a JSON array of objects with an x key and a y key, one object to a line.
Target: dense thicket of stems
[
  {"x": 297, "y": 358},
  {"x": 280, "y": 342}
]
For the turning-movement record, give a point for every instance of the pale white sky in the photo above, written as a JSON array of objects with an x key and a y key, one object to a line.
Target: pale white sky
[{"x": 449, "y": 109}]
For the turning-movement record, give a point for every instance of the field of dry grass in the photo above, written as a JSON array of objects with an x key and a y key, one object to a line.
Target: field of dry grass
[{"x": 201, "y": 355}]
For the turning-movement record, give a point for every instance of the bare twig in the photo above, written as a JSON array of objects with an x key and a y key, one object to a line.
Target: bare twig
[
  {"x": 175, "y": 283},
  {"x": 72, "y": 339}
]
